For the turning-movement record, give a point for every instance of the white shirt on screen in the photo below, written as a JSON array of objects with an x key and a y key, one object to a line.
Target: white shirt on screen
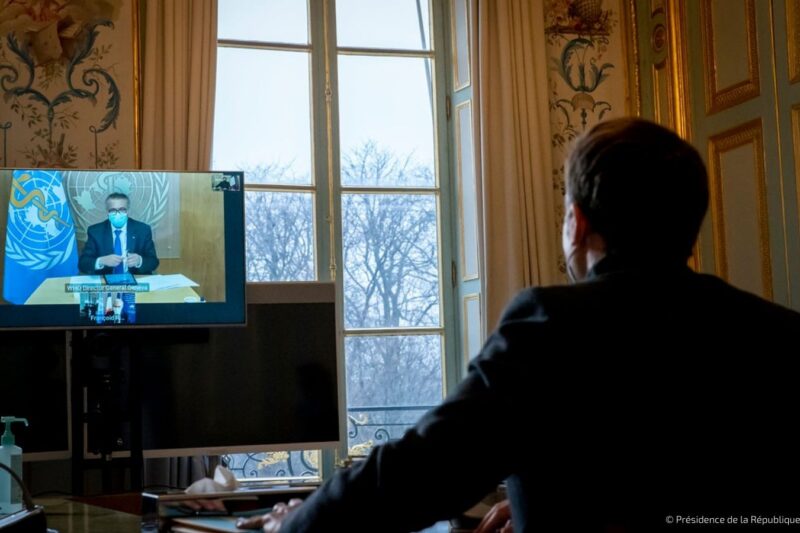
[{"x": 123, "y": 237}]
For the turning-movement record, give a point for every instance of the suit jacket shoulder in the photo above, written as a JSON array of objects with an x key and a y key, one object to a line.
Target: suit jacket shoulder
[
  {"x": 137, "y": 226},
  {"x": 618, "y": 300},
  {"x": 98, "y": 227}
]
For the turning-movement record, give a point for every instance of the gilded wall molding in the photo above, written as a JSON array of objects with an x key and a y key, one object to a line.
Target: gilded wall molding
[
  {"x": 668, "y": 40},
  {"x": 630, "y": 43},
  {"x": 670, "y": 78},
  {"x": 662, "y": 103},
  {"x": 680, "y": 97},
  {"x": 744, "y": 134},
  {"x": 137, "y": 83},
  {"x": 793, "y": 39},
  {"x": 796, "y": 147},
  {"x": 679, "y": 65},
  {"x": 719, "y": 98},
  {"x": 660, "y": 74}
]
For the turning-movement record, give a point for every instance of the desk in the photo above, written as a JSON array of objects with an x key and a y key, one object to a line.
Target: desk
[
  {"x": 67, "y": 516},
  {"x": 51, "y": 291}
]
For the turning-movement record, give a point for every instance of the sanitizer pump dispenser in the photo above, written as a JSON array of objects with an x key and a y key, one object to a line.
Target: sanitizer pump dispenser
[{"x": 11, "y": 456}]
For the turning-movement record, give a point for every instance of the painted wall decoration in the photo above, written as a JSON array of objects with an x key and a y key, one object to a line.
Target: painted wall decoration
[
  {"x": 67, "y": 84},
  {"x": 588, "y": 79}
]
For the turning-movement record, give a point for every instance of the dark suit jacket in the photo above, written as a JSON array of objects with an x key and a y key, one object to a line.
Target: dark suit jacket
[
  {"x": 100, "y": 242},
  {"x": 636, "y": 395}
]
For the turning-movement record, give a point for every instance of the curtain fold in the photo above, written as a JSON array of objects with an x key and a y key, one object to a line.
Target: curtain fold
[
  {"x": 178, "y": 472},
  {"x": 519, "y": 227},
  {"x": 178, "y": 79}
]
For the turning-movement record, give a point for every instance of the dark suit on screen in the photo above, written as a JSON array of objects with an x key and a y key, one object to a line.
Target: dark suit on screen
[
  {"x": 100, "y": 242},
  {"x": 638, "y": 394}
]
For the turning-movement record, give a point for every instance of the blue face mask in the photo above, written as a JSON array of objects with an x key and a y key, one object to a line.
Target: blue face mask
[{"x": 118, "y": 220}]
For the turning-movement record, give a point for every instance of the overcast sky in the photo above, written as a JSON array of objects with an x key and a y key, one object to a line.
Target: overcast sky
[{"x": 262, "y": 100}]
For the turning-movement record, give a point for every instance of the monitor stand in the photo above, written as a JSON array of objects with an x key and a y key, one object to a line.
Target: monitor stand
[{"x": 107, "y": 418}]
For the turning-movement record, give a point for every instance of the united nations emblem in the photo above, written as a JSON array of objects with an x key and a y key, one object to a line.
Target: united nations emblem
[
  {"x": 87, "y": 192},
  {"x": 40, "y": 233}
]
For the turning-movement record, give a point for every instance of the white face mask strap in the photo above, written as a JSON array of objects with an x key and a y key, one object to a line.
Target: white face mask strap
[{"x": 571, "y": 276}]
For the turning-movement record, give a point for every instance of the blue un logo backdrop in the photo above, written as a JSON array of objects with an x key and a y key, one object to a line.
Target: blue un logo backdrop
[{"x": 40, "y": 234}]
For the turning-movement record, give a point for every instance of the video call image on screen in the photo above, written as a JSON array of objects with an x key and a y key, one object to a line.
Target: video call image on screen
[{"x": 105, "y": 248}]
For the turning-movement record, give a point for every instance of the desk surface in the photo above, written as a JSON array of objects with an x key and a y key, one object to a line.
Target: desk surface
[
  {"x": 67, "y": 516},
  {"x": 51, "y": 291}
]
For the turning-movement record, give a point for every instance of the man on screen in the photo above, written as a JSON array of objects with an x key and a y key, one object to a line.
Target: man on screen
[{"x": 119, "y": 244}]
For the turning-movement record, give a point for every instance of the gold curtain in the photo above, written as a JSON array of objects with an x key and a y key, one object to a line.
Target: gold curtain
[
  {"x": 178, "y": 78},
  {"x": 519, "y": 226}
]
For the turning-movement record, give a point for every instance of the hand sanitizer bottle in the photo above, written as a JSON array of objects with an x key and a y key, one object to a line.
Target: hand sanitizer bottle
[{"x": 11, "y": 456}]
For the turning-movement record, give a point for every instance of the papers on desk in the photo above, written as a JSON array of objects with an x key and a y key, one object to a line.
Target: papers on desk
[
  {"x": 168, "y": 281},
  {"x": 86, "y": 279},
  {"x": 216, "y": 524},
  {"x": 223, "y": 524}
]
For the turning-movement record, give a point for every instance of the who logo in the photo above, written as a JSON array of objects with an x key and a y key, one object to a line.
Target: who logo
[{"x": 40, "y": 234}]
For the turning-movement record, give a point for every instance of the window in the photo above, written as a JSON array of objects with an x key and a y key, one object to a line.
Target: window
[{"x": 338, "y": 121}]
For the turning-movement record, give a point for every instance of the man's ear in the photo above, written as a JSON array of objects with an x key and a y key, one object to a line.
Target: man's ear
[{"x": 577, "y": 224}]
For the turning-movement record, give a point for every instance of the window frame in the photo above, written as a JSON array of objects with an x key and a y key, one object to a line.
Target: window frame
[{"x": 327, "y": 190}]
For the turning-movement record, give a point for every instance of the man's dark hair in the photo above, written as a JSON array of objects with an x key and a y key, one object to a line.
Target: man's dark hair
[
  {"x": 118, "y": 196},
  {"x": 642, "y": 188}
]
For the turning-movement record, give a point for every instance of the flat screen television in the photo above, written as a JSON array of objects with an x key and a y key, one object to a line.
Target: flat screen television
[{"x": 110, "y": 249}]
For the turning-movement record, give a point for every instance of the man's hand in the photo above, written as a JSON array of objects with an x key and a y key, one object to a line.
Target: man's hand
[
  {"x": 271, "y": 522},
  {"x": 497, "y": 520},
  {"x": 110, "y": 260},
  {"x": 134, "y": 260}
]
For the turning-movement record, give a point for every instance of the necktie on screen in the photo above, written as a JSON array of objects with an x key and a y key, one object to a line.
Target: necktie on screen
[{"x": 120, "y": 268}]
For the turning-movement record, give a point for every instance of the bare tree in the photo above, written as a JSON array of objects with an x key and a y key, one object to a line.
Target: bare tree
[
  {"x": 279, "y": 229},
  {"x": 390, "y": 244},
  {"x": 391, "y": 280},
  {"x": 390, "y": 272}
]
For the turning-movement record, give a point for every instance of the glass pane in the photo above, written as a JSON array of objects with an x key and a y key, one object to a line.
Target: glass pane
[
  {"x": 391, "y": 382},
  {"x": 283, "y": 21},
  {"x": 391, "y": 260},
  {"x": 403, "y": 24},
  {"x": 262, "y": 120},
  {"x": 386, "y": 121},
  {"x": 280, "y": 236}
]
